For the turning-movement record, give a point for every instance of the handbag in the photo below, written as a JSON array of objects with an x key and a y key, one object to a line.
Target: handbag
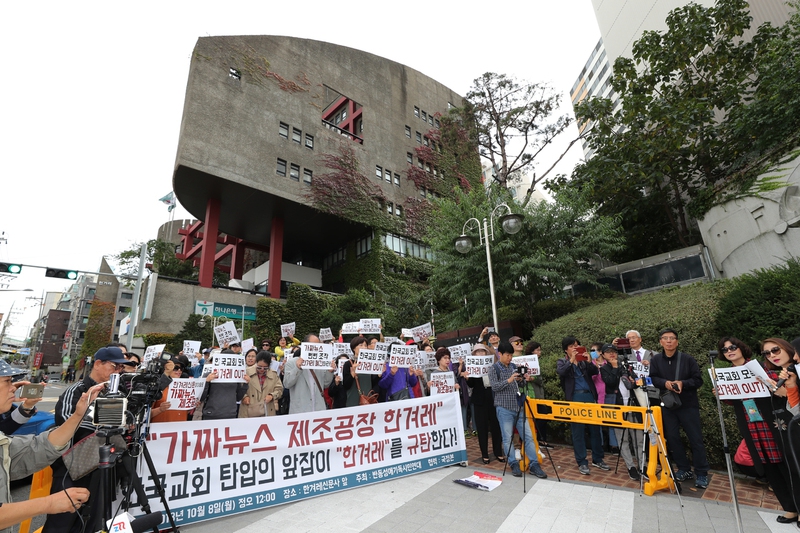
[
  {"x": 83, "y": 457},
  {"x": 366, "y": 399},
  {"x": 402, "y": 394},
  {"x": 670, "y": 399}
]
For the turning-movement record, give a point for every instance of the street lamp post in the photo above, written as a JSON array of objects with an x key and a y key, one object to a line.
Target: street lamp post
[{"x": 511, "y": 224}]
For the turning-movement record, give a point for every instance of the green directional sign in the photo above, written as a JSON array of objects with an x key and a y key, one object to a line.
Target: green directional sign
[{"x": 232, "y": 311}]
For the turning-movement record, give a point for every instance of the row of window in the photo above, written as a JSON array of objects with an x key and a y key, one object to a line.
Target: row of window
[
  {"x": 386, "y": 174},
  {"x": 294, "y": 171},
  {"x": 421, "y": 114},
  {"x": 334, "y": 259},
  {"x": 403, "y": 246},
  {"x": 297, "y": 135},
  {"x": 394, "y": 209}
]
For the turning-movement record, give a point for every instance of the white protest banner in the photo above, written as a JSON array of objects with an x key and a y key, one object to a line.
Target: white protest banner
[
  {"x": 402, "y": 356},
  {"x": 478, "y": 365},
  {"x": 531, "y": 362},
  {"x": 420, "y": 332},
  {"x": 390, "y": 340},
  {"x": 325, "y": 334},
  {"x": 407, "y": 332},
  {"x": 741, "y": 382},
  {"x": 370, "y": 362},
  {"x": 382, "y": 347},
  {"x": 351, "y": 328},
  {"x": 191, "y": 348},
  {"x": 275, "y": 365},
  {"x": 152, "y": 352},
  {"x": 230, "y": 368},
  {"x": 183, "y": 393},
  {"x": 316, "y": 354},
  {"x": 340, "y": 348},
  {"x": 211, "y": 470},
  {"x": 426, "y": 360},
  {"x": 226, "y": 334},
  {"x": 460, "y": 352},
  {"x": 442, "y": 383},
  {"x": 641, "y": 369},
  {"x": 370, "y": 325},
  {"x": 247, "y": 345},
  {"x": 339, "y": 366},
  {"x": 287, "y": 330}
]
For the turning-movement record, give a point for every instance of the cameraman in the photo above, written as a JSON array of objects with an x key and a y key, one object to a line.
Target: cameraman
[
  {"x": 106, "y": 361},
  {"x": 26, "y": 454}
]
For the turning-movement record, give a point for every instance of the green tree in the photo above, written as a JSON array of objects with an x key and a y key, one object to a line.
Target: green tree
[
  {"x": 99, "y": 328},
  {"x": 555, "y": 248},
  {"x": 161, "y": 258}
]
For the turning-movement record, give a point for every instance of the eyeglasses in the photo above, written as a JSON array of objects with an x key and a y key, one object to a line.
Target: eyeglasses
[
  {"x": 669, "y": 338},
  {"x": 519, "y": 343},
  {"x": 117, "y": 366},
  {"x": 177, "y": 367},
  {"x": 261, "y": 368},
  {"x": 775, "y": 350},
  {"x": 732, "y": 348}
]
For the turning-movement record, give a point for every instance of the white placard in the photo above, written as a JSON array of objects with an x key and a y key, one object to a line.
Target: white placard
[
  {"x": 191, "y": 348},
  {"x": 325, "y": 334},
  {"x": 370, "y": 362},
  {"x": 420, "y": 332},
  {"x": 402, "y": 356},
  {"x": 340, "y": 348},
  {"x": 247, "y": 344},
  {"x": 390, "y": 340},
  {"x": 460, "y": 351},
  {"x": 230, "y": 368},
  {"x": 184, "y": 393},
  {"x": 287, "y": 330},
  {"x": 407, "y": 332},
  {"x": 370, "y": 325},
  {"x": 316, "y": 355},
  {"x": 351, "y": 328},
  {"x": 741, "y": 382},
  {"x": 226, "y": 334},
  {"x": 152, "y": 352},
  {"x": 339, "y": 366},
  {"x": 426, "y": 360},
  {"x": 383, "y": 347},
  {"x": 442, "y": 383},
  {"x": 641, "y": 369},
  {"x": 531, "y": 362},
  {"x": 275, "y": 365},
  {"x": 479, "y": 365}
]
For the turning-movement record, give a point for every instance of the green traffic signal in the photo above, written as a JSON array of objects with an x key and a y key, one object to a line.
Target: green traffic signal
[
  {"x": 10, "y": 268},
  {"x": 60, "y": 273}
]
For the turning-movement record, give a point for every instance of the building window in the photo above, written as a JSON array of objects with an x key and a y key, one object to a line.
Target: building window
[
  {"x": 387, "y": 175},
  {"x": 436, "y": 123},
  {"x": 419, "y": 163},
  {"x": 427, "y": 167},
  {"x": 297, "y": 135},
  {"x": 118, "y": 322},
  {"x": 54, "y": 337},
  {"x": 419, "y": 137},
  {"x": 397, "y": 179},
  {"x": 425, "y": 141},
  {"x": 126, "y": 296},
  {"x": 424, "y": 116},
  {"x": 410, "y": 158},
  {"x": 283, "y": 130},
  {"x": 398, "y": 210},
  {"x": 403, "y": 246},
  {"x": 363, "y": 246},
  {"x": 334, "y": 259},
  {"x": 390, "y": 207},
  {"x": 408, "y": 132},
  {"x": 294, "y": 172},
  {"x": 235, "y": 74},
  {"x": 309, "y": 141},
  {"x": 307, "y": 175},
  {"x": 430, "y": 120},
  {"x": 422, "y": 192},
  {"x": 379, "y": 172},
  {"x": 416, "y": 111},
  {"x": 281, "y": 167}
]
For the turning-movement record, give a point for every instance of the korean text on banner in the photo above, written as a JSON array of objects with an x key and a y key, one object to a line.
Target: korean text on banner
[
  {"x": 420, "y": 332},
  {"x": 351, "y": 328},
  {"x": 741, "y": 382},
  {"x": 370, "y": 326},
  {"x": 152, "y": 352},
  {"x": 183, "y": 393},
  {"x": 287, "y": 330},
  {"x": 478, "y": 365},
  {"x": 340, "y": 348},
  {"x": 402, "y": 356},
  {"x": 191, "y": 348},
  {"x": 325, "y": 334},
  {"x": 531, "y": 362},
  {"x": 442, "y": 383},
  {"x": 230, "y": 368},
  {"x": 460, "y": 352},
  {"x": 247, "y": 345},
  {"x": 316, "y": 355},
  {"x": 226, "y": 334},
  {"x": 370, "y": 362},
  {"x": 211, "y": 470},
  {"x": 426, "y": 360}
]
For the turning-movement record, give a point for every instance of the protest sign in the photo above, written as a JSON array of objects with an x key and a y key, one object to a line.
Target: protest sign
[
  {"x": 340, "y": 348},
  {"x": 184, "y": 393},
  {"x": 275, "y": 365},
  {"x": 212, "y": 470},
  {"x": 287, "y": 330},
  {"x": 420, "y": 332},
  {"x": 152, "y": 352},
  {"x": 407, "y": 332},
  {"x": 402, "y": 356},
  {"x": 370, "y": 362},
  {"x": 226, "y": 334},
  {"x": 351, "y": 328},
  {"x": 339, "y": 366},
  {"x": 741, "y": 382},
  {"x": 640, "y": 369},
  {"x": 480, "y": 481},
  {"x": 426, "y": 360},
  {"x": 460, "y": 352},
  {"x": 478, "y": 365},
  {"x": 442, "y": 383},
  {"x": 370, "y": 326},
  {"x": 382, "y": 347},
  {"x": 325, "y": 334},
  {"x": 247, "y": 345},
  {"x": 230, "y": 368},
  {"x": 531, "y": 362},
  {"x": 390, "y": 340},
  {"x": 316, "y": 355},
  {"x": 191, "y": 348}
]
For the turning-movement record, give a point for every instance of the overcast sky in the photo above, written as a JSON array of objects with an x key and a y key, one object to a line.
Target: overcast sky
[{"x": 93, "y": 95}]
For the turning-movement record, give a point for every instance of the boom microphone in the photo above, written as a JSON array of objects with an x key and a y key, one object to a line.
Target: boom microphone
[
  {"x": 790, "y": 368},
  {"x": 146, "y": 523}
]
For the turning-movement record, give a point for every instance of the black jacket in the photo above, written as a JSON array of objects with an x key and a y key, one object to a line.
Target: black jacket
[{"x": 662, "y": 369}]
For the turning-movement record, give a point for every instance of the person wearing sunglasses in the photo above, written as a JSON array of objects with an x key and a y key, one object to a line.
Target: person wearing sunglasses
[
  {"x": 758, "y": 422},
  {"x": 264, "y": 390},
  {"x": 162, "y": 409}
]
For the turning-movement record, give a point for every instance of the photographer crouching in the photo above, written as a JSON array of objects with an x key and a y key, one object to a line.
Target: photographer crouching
[
  {"x": 106, "y": 361},
  {"x": 25, "y": 454}
]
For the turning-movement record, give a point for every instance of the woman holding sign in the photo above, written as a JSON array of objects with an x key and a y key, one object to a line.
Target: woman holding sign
[
  {"x": 760, "y": 421},
  {"x": 263, "y": 391}
]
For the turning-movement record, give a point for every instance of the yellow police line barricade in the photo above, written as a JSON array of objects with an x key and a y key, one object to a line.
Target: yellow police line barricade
[
  {"x": 40, "y": 487},
  {"x": 612, "y": 416}
]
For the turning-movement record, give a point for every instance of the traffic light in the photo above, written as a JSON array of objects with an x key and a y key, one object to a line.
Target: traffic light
[
  {"x": 10, "y": 268},
  {"x": 60, "y": 273}
]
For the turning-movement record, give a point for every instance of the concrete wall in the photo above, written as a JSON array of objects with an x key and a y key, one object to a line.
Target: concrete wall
[{"x": 289, "y": 272}]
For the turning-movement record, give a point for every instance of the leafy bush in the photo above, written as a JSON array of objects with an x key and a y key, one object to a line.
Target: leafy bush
[
  {"x": 160, "y": 338},
  {"x": 270, "y": 314}
]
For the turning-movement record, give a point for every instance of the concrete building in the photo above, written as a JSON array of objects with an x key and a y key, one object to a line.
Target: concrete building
[
  {"x": 78, "y": 301},
  {"x": 55, "y": 324},
  {"x": 260, "y": 113}
]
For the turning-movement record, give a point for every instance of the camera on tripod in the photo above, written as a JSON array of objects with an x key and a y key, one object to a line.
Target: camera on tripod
[{"x": 521, "y": 370}]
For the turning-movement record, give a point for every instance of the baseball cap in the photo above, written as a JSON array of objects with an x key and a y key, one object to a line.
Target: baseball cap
[
  {"x": 8, "y": 370},
  {"x": 112, "y": 354},
  {"x": 515, "y": 339},
  {"x": 479, "y": 346},
  {"x": 608, "y": 348}
]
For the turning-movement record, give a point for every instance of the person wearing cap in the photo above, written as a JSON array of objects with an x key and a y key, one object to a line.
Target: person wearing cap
[
  {"x": 18, "y": 415},
  {"x": 493, "y": 339},
  {"x": 484, "y": 413},
  {"x": 161, "y": 412},
  {"x": 197, "y": 370},
  {"x": 24, "y": 455},
  {"x": 106, "y": 361}
]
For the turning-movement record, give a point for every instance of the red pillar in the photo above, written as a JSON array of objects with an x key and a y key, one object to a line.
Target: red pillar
[
  {"x": 275, "y": 258},
  {"x": 210, "y": 232},
  {"x": 237, "y": 260}
]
